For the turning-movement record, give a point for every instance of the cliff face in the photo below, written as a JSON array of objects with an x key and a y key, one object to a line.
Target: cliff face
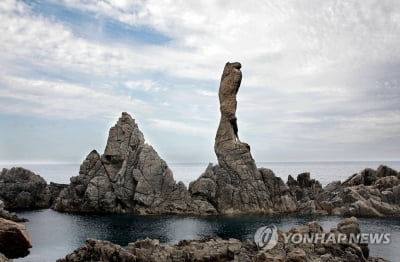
[{"x": 129, "y": 177}]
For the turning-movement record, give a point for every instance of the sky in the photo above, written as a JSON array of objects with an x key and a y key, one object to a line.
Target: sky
[{"x": 321, "y": 79}]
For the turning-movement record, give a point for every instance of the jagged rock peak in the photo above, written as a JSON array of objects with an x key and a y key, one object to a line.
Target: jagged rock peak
[{"x": 129, "y": 177}]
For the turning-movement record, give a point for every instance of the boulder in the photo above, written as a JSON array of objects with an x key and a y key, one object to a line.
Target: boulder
[
  {"x": 21, "y": 188},
  {"x": 14, "y": 239}
]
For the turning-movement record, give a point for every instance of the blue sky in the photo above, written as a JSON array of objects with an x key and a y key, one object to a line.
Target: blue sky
[{"x": 320, "y": 79}]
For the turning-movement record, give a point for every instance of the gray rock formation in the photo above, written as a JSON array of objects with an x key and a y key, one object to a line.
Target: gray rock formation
[
  {"x": 131, "y": 177},
  {"x": 21, "y": 188},
  {"x": 236, "y": 185},
  {"x": 217, "y": 249},
  {"x": 367, "y": 193},
  {"x": 14, "y": 239},
  {"x": 128, "y": 177}
]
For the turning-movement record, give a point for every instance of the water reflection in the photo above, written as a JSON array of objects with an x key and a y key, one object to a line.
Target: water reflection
[{"x": 56, "y": 234}]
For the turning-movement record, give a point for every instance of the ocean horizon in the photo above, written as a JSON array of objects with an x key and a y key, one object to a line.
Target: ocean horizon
[{"x": 324, "y": 171}]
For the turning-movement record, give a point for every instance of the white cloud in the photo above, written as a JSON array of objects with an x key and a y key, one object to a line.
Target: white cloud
[
  {"x": 63, "y": 100},
  {"x": 147, "y": 85},
  {"x": 182, "y": 127},
  {"x": 322, "y": 71},
  {"x": 206, "y": 93}
]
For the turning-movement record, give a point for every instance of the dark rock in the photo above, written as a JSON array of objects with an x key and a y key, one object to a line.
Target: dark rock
[
  {"x": 217, "y": 249},
  {"x": 14, "y": 239},
  {"x": 55, "y": 189},
  {"x": 384, "y": 171},
  {"x": 9, "y": 216},
  {"x": 21, "y": 188}
]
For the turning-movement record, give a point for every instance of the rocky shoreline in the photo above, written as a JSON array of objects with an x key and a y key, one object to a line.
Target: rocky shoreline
[
  {"x": 217, "y": 249},
  {"x": 130, "y": 177}
]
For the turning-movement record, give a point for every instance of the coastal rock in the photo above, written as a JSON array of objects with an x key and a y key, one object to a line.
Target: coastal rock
[
  {"x": 217, "y": 249},
  {"x": 21, "y": 188},
  {"x": 9, "y": 216},
  {"x": 367, "y": 193},
  {"x": 236, "y": 185},
  {"x": 14, "y": 239},
  {"x": 129, "y": 177}
]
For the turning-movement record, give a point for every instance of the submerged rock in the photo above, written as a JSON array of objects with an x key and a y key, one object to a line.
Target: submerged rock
[
  {"x": 129, "y": 177},
  {"x": 217, "y": 249},
  {"x": 14, "y": 239}
]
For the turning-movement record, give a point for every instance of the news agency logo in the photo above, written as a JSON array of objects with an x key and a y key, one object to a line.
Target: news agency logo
[{"x": 266, "y": 237}]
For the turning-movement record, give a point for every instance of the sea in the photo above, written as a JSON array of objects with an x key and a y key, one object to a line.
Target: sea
[{"x": 56, "y": 234}]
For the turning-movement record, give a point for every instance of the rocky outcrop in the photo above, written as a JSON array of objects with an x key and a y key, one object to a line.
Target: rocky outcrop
[
  {"x": 236, "y": 185},
  {"x": 367, "y": 193},
  {"x": 217, "y": 249},
  {"x": 129, "y": 177},
  {"x": 21, "y": 188},
  {"x": 14, "y": 239},
  {"x": 8, "y": 215}
]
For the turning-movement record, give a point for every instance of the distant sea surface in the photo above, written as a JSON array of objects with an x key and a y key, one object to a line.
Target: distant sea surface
[
  {"x": 325, "y": 172},
  {"x": 56, "y": 234}
]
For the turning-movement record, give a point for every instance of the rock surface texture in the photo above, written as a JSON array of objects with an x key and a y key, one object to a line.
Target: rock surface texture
[
  {"x": 21, "y": 188},
  {"x": 129, "y": 177},
  {"x": 14, "y": 239},
  {"x": 217, "y": 249},
  {"x": 367, "y": 193},
  {"x": 236, "y": 185}
]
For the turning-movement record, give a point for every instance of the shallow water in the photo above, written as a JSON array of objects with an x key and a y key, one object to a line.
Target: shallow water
[{"x": 56, "y": 234}]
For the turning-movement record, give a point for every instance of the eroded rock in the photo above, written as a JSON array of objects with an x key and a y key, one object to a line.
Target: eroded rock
[
  {"x": 236, "y": 185},
  {"x": 14, "y": 239},
  {"x": 217, "y": 249},
  {"x": 21, "y": 188},
  {"x": 129, "y": 177}
]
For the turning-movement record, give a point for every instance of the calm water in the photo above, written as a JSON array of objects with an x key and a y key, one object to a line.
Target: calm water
[{"x": 56, "y": 234}]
